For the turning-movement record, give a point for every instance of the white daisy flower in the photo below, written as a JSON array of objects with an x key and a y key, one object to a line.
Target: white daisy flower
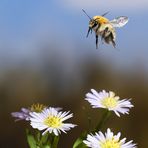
[
  {"x": 107, "y": 140},
  {"x": 51, "y": 120},
  {"x": 109, "y": 101}
]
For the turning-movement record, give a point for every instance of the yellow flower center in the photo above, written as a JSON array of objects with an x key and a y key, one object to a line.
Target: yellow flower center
[
  {"x": 53, "y": 121},
  {"x": 109, "y": 102},
  {"x": 111, "y": 143},
  {"x": 37, "y": 107}
]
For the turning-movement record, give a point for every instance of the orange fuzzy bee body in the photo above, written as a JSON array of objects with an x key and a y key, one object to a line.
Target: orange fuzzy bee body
[
  {"x": 105, "y": 28},
  {"x": 101, "y": 26}
]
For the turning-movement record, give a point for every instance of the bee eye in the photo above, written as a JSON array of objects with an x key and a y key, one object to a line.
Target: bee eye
[{"x": 94, "y": 24}]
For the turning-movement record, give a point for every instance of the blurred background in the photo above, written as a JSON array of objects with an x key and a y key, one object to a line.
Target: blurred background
[{"x": 46, "y": 58}]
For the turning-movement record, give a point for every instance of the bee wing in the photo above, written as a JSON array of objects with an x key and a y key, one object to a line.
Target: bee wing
[{"x": 119, "y": 21}]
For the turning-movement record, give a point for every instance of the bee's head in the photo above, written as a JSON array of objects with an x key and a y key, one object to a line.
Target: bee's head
[
  {"x": 95, "y": 22},
  {"x": 92, "y": 25}
]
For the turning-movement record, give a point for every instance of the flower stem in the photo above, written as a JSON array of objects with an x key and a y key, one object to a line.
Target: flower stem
[
  {"x": 103, "y": 120},
  {"x": 55, "y": 141}
]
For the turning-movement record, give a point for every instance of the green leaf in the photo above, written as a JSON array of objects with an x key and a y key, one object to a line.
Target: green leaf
[
  {"x": 31, "y": 141},
  {"x": 81, "y": 145},
  {"x": 44, "y": 138},
  {"x": 79, "y": 142},
  {"x": 46, "y": 146}
]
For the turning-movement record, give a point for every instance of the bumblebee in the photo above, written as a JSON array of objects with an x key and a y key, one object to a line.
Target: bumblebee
[{"x": 105, "y": 28}]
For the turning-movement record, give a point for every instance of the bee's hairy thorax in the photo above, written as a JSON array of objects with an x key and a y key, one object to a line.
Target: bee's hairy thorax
[
  {"x": 101, "y": 19},
  {"x": 104, "y": 29}
]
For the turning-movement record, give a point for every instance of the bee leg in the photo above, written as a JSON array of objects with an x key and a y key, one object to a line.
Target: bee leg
[
  {"x": 89, "y": 29},
  {"x": 112, "y": 40},
  {"x": 104, "y": 34},
  {"x": 114, "y": 44},
  {"x": 97, "y": 29},
  {"x": 96, "y": 41},
  {"x": 102, "y": 40}
]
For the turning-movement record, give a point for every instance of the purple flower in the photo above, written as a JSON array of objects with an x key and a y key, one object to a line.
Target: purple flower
[{"x": 22, "y": 115}]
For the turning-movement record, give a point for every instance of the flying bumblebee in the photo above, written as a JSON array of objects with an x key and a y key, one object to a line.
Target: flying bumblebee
[{"x": 105, "y": 28}]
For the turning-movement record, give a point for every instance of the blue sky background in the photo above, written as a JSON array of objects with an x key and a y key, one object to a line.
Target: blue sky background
[{"x": 26, "y": 24}]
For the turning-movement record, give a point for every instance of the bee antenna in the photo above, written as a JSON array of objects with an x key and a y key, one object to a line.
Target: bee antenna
[
  {"x": 86, "y": 14},
  {"x": 105, "y": 13}
]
